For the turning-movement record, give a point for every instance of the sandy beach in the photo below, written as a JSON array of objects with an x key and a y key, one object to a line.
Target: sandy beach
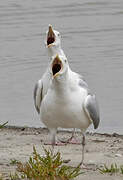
[{"x": 17, "y": 143}]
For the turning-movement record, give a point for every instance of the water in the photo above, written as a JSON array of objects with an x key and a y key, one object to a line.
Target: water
[{"x": 92, "y": 38}]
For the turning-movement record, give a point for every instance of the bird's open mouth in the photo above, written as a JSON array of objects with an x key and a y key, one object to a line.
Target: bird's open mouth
[
  {"x": 56, "y": 66},
  {"x": 50, "y": 36}
]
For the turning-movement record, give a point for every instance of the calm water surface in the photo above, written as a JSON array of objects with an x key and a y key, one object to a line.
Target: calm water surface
[{"x": 92, "y": 38}]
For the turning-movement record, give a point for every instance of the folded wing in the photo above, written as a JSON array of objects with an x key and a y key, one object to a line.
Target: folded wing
[
  {"x": 92, "y": 110},
  {"x": 38, "y": 95}
]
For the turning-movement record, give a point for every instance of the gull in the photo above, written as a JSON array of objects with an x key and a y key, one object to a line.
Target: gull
[
  {"x": 68, "y": 102},
  {"x": 53, "y": 46}
]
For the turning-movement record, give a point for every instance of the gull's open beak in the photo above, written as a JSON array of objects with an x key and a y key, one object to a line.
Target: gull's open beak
[
  {"x": 57, "y": 66},
  {"x": 50, "y": 36}
]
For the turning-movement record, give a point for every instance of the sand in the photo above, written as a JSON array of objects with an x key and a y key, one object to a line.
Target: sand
[{"x": 17, "y": 143}]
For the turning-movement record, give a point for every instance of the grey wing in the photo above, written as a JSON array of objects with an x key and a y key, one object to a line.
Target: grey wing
[
  {"x": 83, "y": 83},
  {"x": 38, "y": 95},
  {"x": 92, "y": 110}
]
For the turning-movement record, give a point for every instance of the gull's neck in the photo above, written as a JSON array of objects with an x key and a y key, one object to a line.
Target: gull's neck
[
  {"x": 60, "y": 85},
  {"x": 53, "y": 51}
]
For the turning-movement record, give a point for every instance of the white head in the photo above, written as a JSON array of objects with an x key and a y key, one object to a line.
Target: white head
[
  {"x": 59, "y": 67},
  {"x": 53, "y": 41}
]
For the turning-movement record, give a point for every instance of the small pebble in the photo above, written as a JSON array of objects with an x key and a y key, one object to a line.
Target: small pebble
[
  {"x": 118, "y": 155},
  {"x": 91, "y": 162}
]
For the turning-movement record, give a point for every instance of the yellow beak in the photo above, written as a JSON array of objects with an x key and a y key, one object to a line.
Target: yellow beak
[{"x": 50, "y": 30}]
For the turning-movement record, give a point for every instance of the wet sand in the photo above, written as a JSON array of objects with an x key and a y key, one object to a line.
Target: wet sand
[{"x": 17, "y": 143}]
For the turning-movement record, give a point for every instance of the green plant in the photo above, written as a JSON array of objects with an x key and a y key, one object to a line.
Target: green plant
[
  {"x": 1, "y": 178},
  {"x": 48, "y": 167},
  {"x": 13, "y": 161},
  {"x": 112, "y": 169},
  {"x": 121, "y": 169},
  {"x": 2, "y": 125},
  {"x": 14, "y": 177}
]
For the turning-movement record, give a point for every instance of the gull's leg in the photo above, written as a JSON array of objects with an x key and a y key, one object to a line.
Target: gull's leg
[
  {"x": 53, "y": 141},
  {"x": 71, "y": 140},
  {"x": 83, "y": 147},
  {"x": 53, "y": 137}
]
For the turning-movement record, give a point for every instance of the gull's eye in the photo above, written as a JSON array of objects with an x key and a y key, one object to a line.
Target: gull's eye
[
  {"x": 65, "y": 60},
  {"x": 58, "y": 34}
]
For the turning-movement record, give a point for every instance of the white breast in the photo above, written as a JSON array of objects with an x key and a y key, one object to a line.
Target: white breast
[{"x": 65, "y": 109}]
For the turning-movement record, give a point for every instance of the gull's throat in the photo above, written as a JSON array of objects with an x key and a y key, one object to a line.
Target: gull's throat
[
  {"x": 50, "y": 40},
  {"x": 50, "y": 36},
  {"x": 56, "y": 66}
]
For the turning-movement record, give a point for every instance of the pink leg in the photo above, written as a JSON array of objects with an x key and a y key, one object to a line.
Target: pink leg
[
  {"x": 71, "y": 140},
  {"x": 53, "y": 141}
]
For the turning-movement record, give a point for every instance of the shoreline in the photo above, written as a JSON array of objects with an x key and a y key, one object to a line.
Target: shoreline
[
  {"x": 62, "y": 130},
  {"x": 101, "y": 148}
]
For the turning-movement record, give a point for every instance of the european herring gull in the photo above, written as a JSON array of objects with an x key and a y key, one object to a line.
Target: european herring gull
[
  {"x": 53, "y": 46},
  {"x": 68, "y": 102}
]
